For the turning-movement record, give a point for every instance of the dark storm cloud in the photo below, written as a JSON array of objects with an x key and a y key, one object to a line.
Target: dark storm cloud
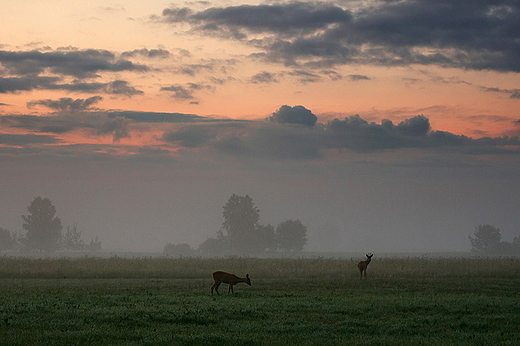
[
  {"x": 294, "y": 115},
  {"x": 285, "y": 18},
  {"x": 264, "y": 140},
  {"x": 272, "y": 142},
  {"x": 28, "y": 83},
  {"x": 283, "y": 140},
  {"x": 15, "y": 84},
  {"x": 78, "y": 64},
  {"x": 35, "y": 70},
  {"x": 291, "y": 133},
  {"x": 416, "y": 126},
  {"x": 66, "y": 103},
  {"x": 359, "y": 135},
  {"x": 463, "y": 34},
  {"x": 22, "y": 140}
]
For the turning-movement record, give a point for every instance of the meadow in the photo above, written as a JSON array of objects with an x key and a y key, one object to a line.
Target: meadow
[{"x": 311, "y": 301}]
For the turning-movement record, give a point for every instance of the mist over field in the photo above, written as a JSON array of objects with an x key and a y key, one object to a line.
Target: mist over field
[
  {"x": 348, "y": 207},
  {"x": 384, "y": 126}
]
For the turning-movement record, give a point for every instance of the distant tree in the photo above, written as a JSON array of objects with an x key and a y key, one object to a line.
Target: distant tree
[
  {"x": 71, "y": 240},
  {"x": 42, "y": 225},
  {"x": 487, "y": 239},
  {"x": 178, "y": 250},
  {"x": 20, "y": 241},
  {"x": 6, "y": 240},
  {"x": 241, "y": 218},
  {"x": 95, "y": 245},
  {"x": 291, "y": 235},
  {"x": 265, "y": 237}
]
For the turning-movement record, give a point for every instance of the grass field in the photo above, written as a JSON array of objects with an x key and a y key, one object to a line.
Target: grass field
[{"x": 160, "y": 301}]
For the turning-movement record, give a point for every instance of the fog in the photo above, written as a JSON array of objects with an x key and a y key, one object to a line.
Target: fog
[
  {"x": 356, "y": 205},
  {"x": 319, "y": 111}
]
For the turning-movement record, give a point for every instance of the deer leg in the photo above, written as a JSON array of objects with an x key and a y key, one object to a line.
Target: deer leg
[{"x": 216, "y": 288}]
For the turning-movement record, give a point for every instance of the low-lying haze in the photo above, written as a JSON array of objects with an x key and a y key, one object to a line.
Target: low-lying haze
[{"x": 384, "y": 126}]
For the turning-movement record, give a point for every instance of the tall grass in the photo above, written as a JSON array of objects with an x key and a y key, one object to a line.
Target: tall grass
[{"x": 185, "y": 268}]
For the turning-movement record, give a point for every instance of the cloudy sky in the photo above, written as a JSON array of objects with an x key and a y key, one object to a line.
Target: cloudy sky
[{"x": 385, "y": 126}]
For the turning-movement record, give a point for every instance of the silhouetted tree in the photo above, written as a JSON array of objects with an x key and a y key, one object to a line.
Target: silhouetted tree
[
  {"x": 42, "y": 225},
  {"x": 487, "y": 239},
  {"x": 71, "y": 240},
  {"x": 95, "y": 245},
  {"x": 6, "y": 240},
  {"x": 241, "y": 223},
  {"x": 265, "y": 237},
  {"x": 291, "y": 235}
]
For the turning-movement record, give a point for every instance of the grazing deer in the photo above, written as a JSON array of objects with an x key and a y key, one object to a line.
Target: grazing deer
[
  {"x": 362, "y": 265},
  {"x": 227, "y": 278}
]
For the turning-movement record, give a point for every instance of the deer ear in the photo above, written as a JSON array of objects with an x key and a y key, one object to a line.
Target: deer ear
[{"x": 247, "y": 275}]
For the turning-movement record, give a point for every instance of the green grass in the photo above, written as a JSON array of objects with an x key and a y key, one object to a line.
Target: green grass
[{"x": 161, "y": 301}]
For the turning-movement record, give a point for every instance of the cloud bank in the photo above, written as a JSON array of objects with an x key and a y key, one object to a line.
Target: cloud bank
[
  {"x": 482, "y": 35},
  {"x": 291, "y": 133},
  {"x": 73, "y": 71}
]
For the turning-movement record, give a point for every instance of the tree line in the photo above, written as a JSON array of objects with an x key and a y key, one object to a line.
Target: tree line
[
  {"x": 44, "y": 232},
  {"x": 487, "y": 239},
  {"x": 241, "y": 233}
]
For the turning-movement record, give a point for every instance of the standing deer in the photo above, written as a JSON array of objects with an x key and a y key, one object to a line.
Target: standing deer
[
  {"x": 362, "y": 265},
  {"x": 227, "y": 278}
]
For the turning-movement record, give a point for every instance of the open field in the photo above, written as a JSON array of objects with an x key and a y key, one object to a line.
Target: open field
[{"x": 160, "y": 301}]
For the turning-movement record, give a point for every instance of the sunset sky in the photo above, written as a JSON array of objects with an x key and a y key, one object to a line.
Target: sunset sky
[{"x": 385, "y": 126}]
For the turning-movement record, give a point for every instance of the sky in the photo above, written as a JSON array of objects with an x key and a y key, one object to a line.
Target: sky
[{"x": 384, "y": 126}]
